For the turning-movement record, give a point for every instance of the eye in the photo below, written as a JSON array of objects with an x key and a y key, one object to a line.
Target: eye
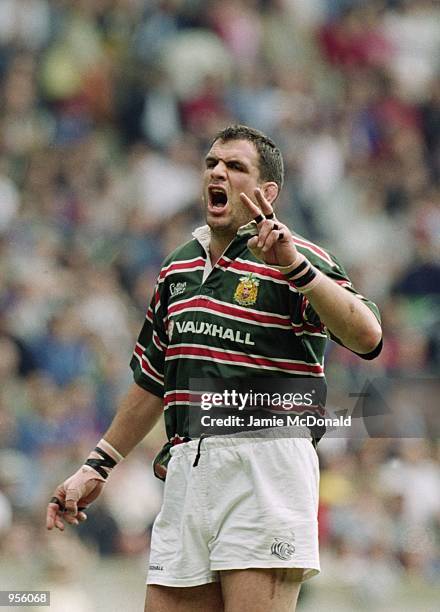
[{"x": 235, "y": 165}]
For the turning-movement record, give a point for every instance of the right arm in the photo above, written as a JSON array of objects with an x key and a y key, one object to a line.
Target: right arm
[{"x": 138, "y": 412}]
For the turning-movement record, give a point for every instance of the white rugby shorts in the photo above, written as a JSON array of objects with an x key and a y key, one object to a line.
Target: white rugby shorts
[{"x": 249, "y": 503}]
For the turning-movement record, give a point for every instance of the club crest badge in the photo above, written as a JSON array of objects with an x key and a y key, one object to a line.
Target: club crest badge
[
  {"x": 283, "y": 548},
  {"x": 246, "y": 291}
]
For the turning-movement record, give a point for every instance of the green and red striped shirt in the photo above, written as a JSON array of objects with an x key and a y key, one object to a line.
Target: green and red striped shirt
[{"x": 242, "y": 318}]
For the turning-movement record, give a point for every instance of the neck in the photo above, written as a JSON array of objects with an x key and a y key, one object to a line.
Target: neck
[{"x": 218, "y": 245}]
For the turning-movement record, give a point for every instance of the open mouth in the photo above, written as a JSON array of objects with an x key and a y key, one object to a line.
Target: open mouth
[{"x": 217, "y": 197}]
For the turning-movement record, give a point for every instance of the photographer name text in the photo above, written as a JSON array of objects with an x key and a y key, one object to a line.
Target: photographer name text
[{"x": 275, "y": 421}]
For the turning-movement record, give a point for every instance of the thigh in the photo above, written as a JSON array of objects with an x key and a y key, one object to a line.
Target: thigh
[
  {"x": 260, "y": 590},
  {"x": 205, "y": 598}
]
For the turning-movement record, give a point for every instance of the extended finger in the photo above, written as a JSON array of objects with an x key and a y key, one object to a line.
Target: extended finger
[
  {"x": 59, "y": 523},
  {"x": 251, "y": 206},
  {"x": 264, "y": 204},
  {"x": 53, "y": 517},
  {"x": 54, "y": 507}
]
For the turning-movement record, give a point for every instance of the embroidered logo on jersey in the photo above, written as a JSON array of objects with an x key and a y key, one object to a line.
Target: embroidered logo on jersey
[
  {"x": 177, "y": 289},
  {"x": 282, "y": 548},
  {"x": 247, "y": 291}
]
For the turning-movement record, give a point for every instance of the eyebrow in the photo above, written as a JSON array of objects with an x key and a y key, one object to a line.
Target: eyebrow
[{"x": 233, "y": 160}]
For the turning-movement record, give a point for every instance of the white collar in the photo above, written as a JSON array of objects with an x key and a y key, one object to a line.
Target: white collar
[{"x": 203, "y": 234}]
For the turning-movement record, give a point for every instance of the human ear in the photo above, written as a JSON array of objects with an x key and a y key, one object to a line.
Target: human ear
[{"x": 270, "y": 191}]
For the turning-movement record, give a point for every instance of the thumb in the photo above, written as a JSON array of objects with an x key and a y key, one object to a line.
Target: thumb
[
  {"x": 72, "y": 497},
  {"x": 252, "y": 242},
  {"x": 252, "y": 246}
]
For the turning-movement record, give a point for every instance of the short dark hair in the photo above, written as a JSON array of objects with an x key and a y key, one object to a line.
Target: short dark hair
[{"x": 271, "y": 164}]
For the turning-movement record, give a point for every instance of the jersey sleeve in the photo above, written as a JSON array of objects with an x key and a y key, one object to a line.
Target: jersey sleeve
[
  {"x": 334, "y": 270},
  {"x": 148, "y": 358}
]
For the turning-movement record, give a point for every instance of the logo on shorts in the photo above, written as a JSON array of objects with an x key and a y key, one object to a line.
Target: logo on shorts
[
  {"x": 156, "y": 568},
  {"x": 282, "y": 548}
]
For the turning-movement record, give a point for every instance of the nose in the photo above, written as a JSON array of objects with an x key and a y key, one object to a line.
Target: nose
[{"x": 219, "y": 170}]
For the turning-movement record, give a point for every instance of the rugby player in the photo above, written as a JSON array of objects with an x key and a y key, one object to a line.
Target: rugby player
[{"x": 246, "y": 297}]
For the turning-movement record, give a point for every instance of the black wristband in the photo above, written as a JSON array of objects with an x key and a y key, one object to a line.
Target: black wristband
[
  {"x": 302, "y": 266},
  {"x": 306, "y": 278}
]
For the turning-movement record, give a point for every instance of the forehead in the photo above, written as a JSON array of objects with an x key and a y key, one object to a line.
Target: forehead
[{"x": 243, "y": 150}]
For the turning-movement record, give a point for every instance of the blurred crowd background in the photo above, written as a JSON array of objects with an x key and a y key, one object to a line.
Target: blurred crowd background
[{"x": 106, "y": 109}]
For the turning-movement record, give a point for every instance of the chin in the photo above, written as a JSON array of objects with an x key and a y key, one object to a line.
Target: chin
[
  {"x": 216, "y": 225},
  {"x": 219, "y": 226}
]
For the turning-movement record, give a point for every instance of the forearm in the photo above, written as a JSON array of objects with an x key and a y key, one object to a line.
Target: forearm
[
  {"x": 345, "y": 315},
  {"x": 138, "y": 413}
]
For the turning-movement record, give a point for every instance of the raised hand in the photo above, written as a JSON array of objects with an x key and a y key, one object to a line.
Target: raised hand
[{"x": 274, "y": 243}]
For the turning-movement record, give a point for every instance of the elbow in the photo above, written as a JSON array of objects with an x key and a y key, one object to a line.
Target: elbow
[
  {"x": 371, "y": 342},
  {"x": 371, "y": 339}
]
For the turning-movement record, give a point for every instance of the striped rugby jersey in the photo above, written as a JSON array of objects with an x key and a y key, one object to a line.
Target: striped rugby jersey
[{"x": 242, "y": 319}]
